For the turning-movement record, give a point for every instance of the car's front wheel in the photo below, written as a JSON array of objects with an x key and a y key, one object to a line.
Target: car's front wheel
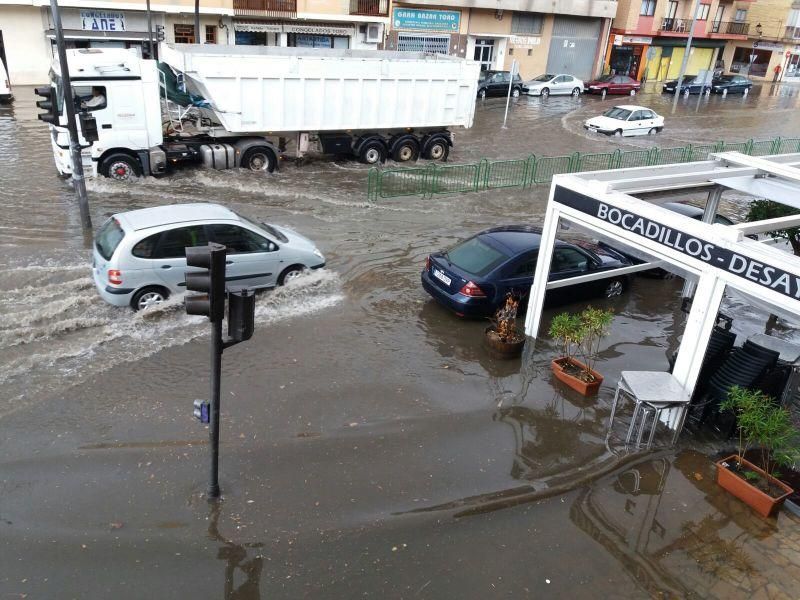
[
  {"x": 576, "y": 92},
  {"x": 148, "y": 298},
  {"x": 515, "y": 92},
  {"x": 545, "y": 92},
  {"x": 603, "y": 93},
  {"x": 618, "y": 133},
  {"x": 481, "y": 94},
  {"x": 653, "y": 131},
  {"x": 633, "y": 92}
]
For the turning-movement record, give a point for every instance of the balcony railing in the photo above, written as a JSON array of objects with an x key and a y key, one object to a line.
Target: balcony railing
[
  {"x": 676, "y": 25},
  {"x": 370, "y": 8},
  {"x": 792, "y": 33},
  {"x": 730, "y": 27},
  {"x": 265, "y": 8}
]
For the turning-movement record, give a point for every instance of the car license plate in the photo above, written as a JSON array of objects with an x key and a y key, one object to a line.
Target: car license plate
[{"x": 442, "y": 277}]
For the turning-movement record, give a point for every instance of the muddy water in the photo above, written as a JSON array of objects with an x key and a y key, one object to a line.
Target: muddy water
[{"x": 358, "y": 418}]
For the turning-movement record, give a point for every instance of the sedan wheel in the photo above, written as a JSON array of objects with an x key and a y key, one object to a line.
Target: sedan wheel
[
  {"x": 653, "y": 131},
  {"x": 633, "y": 92},
  {"x": 576, "y": 92},
  {"x": 603, "y": 93},
  {"x": 482, "y": 94},
  {"x": 618, "y": 133},
  {"x": 614, "y": 289},
  {"x": 545, "y": 92},
  {"x": 515, "y": 93}
]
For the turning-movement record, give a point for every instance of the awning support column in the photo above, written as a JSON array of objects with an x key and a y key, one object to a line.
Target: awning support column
[
  {"x": 709, "y": 213},
  {"x": 536, "y": 298}
]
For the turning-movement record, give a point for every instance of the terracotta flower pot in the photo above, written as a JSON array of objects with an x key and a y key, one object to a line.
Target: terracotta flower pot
[
  {"x": 501, "y": 348},
  {"x": 759, "y": 501},
  {"x": 579, "y": 385}
]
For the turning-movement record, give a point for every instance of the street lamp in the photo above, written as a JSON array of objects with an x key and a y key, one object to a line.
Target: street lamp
[{"x": 759, "y": 29}]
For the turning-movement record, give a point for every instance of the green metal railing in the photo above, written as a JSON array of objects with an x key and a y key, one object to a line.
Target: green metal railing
[{"x": 524, "y": 172}]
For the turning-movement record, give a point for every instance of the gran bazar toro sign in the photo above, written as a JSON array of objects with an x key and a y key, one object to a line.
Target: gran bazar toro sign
[
  {"x": 426, "y": 20},
  {"x": 765, "y": 275}
]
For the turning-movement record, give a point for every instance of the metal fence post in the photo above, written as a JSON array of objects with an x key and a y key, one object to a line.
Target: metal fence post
[
  {"x": 530, "y": 167},
  {"x": 430, "y": 180},
  {"x": 652, "y": 157},
  {"x": 616, "y": 159},
  {"x": 575, "y": 163},
  {"x": 373, "y": 182},
  {"x": 776, "y": 144},
  {"x": 749, "y": 147},
  {"x": 483, "y": 166}
]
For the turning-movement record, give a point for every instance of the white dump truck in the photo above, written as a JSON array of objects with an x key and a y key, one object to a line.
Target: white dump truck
[{"x": 243, "y": 106}]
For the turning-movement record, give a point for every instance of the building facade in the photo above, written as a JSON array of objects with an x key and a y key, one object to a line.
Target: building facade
[
  {"x": 26, "y": 29},
  {"x": 542, "y": 36},
  {"x": 648, "y": 37}
]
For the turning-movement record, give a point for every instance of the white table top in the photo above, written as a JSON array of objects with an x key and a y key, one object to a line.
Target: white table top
[{"x": 654, "y": 386}]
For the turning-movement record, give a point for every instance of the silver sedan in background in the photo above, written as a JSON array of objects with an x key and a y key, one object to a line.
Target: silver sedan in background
[{"x": 547, "y": 84}]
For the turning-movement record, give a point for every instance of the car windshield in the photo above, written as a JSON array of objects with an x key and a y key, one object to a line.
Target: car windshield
[
  {"x": 617, "y": 113},
  {"x": 266, "y": 227},
  {"x": 605, "y": 78},
  {"x": 108, "y": 238},
  {"x": 475, "y": 256},
  {"x": 545, "y": 77}
]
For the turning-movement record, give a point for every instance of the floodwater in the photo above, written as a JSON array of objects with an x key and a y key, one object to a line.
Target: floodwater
[{"x": 369, "y": 440}]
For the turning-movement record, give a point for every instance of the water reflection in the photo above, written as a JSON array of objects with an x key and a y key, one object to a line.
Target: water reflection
[
  {"x": 678, "y": 534},
  {"x": 238, "y": 561}
]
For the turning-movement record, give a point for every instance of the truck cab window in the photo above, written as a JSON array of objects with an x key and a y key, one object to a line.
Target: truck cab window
[{"x": 90, "y": 97}]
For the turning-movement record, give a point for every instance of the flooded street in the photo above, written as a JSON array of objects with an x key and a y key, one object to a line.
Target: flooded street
[{"x": 369, "y": 440}]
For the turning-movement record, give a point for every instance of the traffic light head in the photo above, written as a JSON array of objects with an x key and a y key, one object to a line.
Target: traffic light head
[
  {"x": 210, "y": 281},
  {"x": 48, "y": 103},
  {"x": 160, "y": 33}
]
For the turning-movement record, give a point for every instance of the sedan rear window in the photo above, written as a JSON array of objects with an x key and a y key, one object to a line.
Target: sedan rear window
[
  {"x": 617, "y": 113},
  {"x": 108, "y": 238},
  {"x": 476, "y": 257}
]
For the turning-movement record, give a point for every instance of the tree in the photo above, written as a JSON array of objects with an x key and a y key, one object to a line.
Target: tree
[{"x": 767, "y": 209}]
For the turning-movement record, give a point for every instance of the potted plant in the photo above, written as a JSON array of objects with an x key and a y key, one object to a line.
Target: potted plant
[
  {"x": 502, "y": 335},
  {"x": 580, "y": 335},
  {"x": 766, "y": 428}
]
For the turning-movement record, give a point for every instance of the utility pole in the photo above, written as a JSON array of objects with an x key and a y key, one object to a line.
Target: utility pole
[
  {"x": 150, "y": 32},
  {"x": 685, "y": 61},
  {"x": 78, "y": 180},
  {"x": 197, "y": 22}
]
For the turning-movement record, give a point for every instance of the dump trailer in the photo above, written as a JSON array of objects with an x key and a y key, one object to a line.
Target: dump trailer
[{"x": 247, "y": 107}]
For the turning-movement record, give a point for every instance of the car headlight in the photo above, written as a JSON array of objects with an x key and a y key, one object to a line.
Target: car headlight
[{"x": 318, "y": 253}]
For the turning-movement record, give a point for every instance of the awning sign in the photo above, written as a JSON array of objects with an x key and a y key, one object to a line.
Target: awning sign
[
  {"x": 426, "y": 20},
  {"x": 745, "y": 267},
  {"x": 102, "y": 20}
]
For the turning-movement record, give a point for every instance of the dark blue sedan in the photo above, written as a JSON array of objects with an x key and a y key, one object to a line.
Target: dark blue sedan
[{"x": 473, "y": 277}]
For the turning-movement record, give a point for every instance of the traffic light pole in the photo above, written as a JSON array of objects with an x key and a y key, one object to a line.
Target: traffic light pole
[
  {"x": 78, "y": 180},
  {"x": 216, "y": 378}
]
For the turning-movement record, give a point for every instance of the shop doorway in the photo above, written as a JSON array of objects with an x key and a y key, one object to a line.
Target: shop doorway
[
  {"x": 484, "y": 53},
  {"x": 625, "y": 60}
]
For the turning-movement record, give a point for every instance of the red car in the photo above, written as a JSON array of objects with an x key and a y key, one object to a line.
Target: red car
[{"x": 612, "y": 84}]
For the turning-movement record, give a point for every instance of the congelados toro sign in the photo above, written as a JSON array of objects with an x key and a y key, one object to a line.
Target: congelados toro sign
[
  {"x": 765, "y": 275},
  {"x": 426, "y": 20}
]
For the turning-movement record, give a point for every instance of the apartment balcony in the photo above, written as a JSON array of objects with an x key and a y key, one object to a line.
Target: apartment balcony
[
  {"x": 370, "y": 8},
  {"x": 677, "y": 26},
  {"x": 265, "y": 8},
  {"x": 736, "y": 30}
]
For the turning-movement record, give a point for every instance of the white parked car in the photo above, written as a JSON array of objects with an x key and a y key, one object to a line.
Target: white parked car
[
  {"x": 140, "y": 255},
  {"x": 547, "y": 84},
  {"x": 5, "y": 85},
  {"x": 626, "y": 120}
]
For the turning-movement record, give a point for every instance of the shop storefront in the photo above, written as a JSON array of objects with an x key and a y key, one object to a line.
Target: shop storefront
[
  {"x": 298, "y": 35},
  {"x": 628, "y": 55},
  {"x": 665, "y": 56},
  {"x": 423, "y": 30},
  {"x": 754, "y": 60}
]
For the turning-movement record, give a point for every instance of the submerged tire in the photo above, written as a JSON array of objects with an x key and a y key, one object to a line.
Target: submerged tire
[
  {"x": 258, "y": 159},
  {"x": 121, "y": 167},
  {"x": 148, "y": 297}
]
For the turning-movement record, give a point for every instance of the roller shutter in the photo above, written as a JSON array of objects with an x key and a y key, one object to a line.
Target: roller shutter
[{"x": 573, "y": 46}]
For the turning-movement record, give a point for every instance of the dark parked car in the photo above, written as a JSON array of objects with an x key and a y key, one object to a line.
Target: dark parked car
[
  {"x": 735, "y": 84},
  {"x": 694, "y": 84},
  {"x": 694, "y": 212},
  {"x": 495, "y": 83},
  {"x": 612, "y": 84},
  {"x": 473, "y": 277}
]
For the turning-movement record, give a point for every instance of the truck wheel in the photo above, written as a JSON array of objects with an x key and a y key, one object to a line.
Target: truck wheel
[
  {"x": 259, "y": 159},
  {"x": 406, "y": 150},
  {"x": 121, "y": 167},
  {"x": 437, "y": 149},
  {"x": 373, "y": 153}
]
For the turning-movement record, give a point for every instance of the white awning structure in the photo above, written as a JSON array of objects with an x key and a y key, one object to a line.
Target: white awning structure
[{"x": 718, "y": 256}]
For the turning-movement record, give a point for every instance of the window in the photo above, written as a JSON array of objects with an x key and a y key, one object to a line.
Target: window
[
  {"x": 511, "y": 52},
  {"x": 211, "y": 34},
  {"x": 672, "y": 10},
  {"x": 90, "y": 97},
  {"x": 526, "y": 23},
  {"x": 476, "y": 257},
  {"x": 173, "y": 243},
  {"x": 741, "y": 15},
  {"x": 560, "y": 79},
  {"x": 147, "y": 247},
  {"x": 108, "y": 238},
  {"x": 648, "y": 114},
  {"x": 648, "y": 8},
  {"x": 525, "y": 268},
  {"x": 437, "y": 44},
  {"x": 719, "y": 15},
  {"x": 794, "y": 18},
  {"x": 569, "y": 259},
  {"x": 702, "y": 15},
  {"x": 184, "y": 34},
  {"x": 251, "y": 38},
  {"x": 637, "y": 116},
  {"x": 240, "y": 240}
]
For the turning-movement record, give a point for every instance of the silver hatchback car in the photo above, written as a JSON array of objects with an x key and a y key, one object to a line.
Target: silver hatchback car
[{"x": 140, "y": 255}]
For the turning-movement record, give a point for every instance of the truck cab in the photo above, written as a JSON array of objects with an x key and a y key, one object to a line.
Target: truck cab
[{"x": 120, "y": 91}]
